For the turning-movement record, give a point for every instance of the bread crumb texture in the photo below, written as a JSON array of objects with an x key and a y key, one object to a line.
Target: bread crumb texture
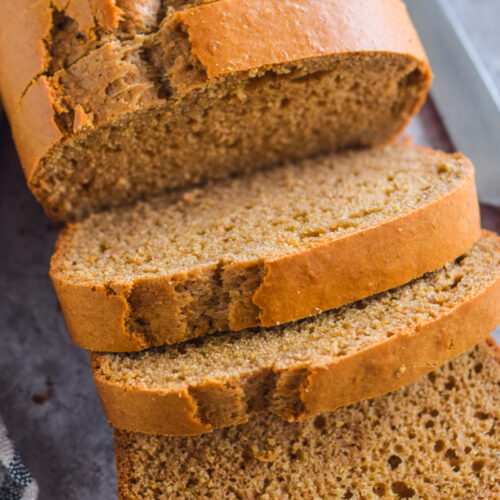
[
  {"x": 264, "y": 215},
  {"x": 437, "y": 438}
]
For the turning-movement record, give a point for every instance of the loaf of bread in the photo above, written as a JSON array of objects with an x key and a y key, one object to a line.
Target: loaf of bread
[
  {"x": 356, "y": 352},
  {"x": 438, "y": 438},
  {"x": 263, "y": 249},
  {"x": 113, "y": 100}
]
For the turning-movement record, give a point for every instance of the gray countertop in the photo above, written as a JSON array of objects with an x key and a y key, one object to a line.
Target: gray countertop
[{"x": 47, "y": 397}]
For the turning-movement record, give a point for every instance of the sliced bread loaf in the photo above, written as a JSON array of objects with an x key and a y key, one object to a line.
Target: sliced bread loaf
[
  {"x": 349, "y": 354},
  {"x": 276, "y": 246},
  {"x": 111, "y": 101},
  {"x": 437, "y": 438}
]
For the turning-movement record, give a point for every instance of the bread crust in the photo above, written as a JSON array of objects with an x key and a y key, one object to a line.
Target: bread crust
[
  {"x": 220, "y": 43},
  {"x": 221, "y": 33},
  {"x": 399, "y": 360},
  {"x": 294, "y": 286},
  {"x": 25, "y": 26}
]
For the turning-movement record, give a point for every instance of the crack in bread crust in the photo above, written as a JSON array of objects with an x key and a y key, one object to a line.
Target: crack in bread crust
[{"x": 79, "y": 27}]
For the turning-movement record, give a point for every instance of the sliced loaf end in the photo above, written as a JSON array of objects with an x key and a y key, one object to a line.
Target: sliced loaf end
[
  {"x": 171, "y": 100},
  {"x": 437, "y": 438}
]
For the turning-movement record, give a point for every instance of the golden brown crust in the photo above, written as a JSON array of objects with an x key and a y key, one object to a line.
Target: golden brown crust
[
  {"x": 33, "y": 125},
  {"x": 299, "y": 285},
  {"x": 377, "y": 369},
  {"x": 95, "y": 310},
  {"x": 222, "y": 33},
  {"x": 218, "y": 42},
  {"x": 25, "y": 28}
]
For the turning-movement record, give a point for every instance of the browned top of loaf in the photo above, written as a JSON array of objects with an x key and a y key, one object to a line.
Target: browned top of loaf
[
  {"x": 437, "y": 438},
  {"x": 349, "y": 354},
  {"x": 33, "y": 45}
]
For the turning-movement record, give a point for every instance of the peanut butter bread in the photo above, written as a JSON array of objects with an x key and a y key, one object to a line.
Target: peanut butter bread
[
  {"x": 437, "y": 438},
  {"x": 263, "y": 249},
  {"x": 114, "y": 100},
  {"x": 356, "y": 352}
]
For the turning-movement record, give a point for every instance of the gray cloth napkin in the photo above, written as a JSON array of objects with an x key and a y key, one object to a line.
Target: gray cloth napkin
[{"x": 16, "y": 483}]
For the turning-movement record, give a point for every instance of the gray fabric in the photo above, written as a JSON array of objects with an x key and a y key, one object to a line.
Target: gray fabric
[{"x": 16, "y": 483}]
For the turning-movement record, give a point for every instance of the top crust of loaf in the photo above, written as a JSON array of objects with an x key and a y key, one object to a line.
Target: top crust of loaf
[
  {"x": 222, "y": 33},
  {"x": 222, "y": 38}
]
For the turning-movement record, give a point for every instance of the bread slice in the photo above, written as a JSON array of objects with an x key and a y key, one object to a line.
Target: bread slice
[
  {"x": 437, "y": 438},
  {"x": 264, "y": 249},
  {"x": 112, "y": 101},
  {"x": 349, "y": 354}
]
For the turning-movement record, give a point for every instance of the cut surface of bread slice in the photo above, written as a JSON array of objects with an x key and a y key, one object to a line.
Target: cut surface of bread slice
[
  {"x": 437, "y": 438},
  {"x": 116, "y": 100},
  {"x": 263, "y": 249},
  {"x": 301, "y": 369}
]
